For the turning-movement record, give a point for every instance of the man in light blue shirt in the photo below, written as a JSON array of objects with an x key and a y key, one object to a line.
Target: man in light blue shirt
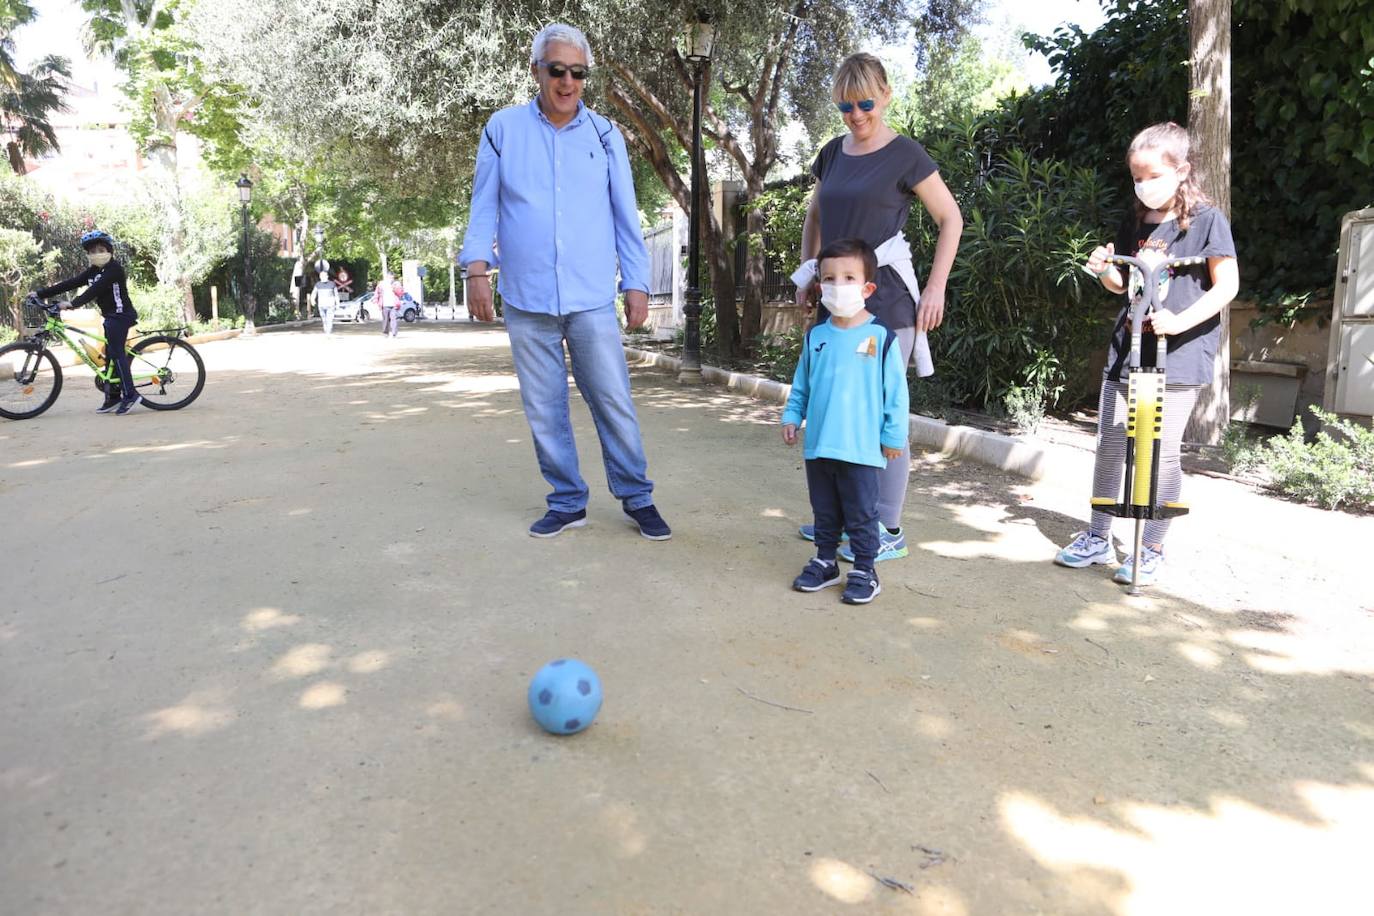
[{"x": 554, "y": 197}]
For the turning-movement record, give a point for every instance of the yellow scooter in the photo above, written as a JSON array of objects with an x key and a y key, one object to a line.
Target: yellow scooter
[{"x": 1147, "y": 285}]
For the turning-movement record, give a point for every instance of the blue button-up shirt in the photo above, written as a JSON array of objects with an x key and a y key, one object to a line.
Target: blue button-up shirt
[{"x": 558, "y": 204}]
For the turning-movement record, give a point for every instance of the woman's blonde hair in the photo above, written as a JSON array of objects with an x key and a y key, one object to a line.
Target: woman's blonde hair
[
  {"x": 861, "y": 76},
  {"x": 1171, "y": 141}
]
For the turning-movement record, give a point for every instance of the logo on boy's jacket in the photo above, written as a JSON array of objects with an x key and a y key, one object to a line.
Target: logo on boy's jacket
[
  {"x": 821, "y": 345},
  {"x": 868, "y": 347}
]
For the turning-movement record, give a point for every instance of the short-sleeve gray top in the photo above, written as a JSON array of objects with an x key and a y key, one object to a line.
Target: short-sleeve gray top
[{"x": 869, "y": 197}]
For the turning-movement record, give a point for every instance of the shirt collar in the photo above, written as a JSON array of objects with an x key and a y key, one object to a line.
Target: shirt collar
[{"x": 577, "y": 118}]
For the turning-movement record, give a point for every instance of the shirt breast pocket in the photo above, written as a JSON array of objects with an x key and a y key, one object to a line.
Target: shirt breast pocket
[{"x": 591, "y": 166}]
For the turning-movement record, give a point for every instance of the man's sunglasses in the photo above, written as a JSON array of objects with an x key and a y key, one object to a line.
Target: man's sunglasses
[
  {"x": 847, "y": 107},
  {"x": 558, "y": 71}
]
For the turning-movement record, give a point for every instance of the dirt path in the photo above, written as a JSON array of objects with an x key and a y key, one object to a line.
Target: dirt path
[{"x": 269, "y": 655}]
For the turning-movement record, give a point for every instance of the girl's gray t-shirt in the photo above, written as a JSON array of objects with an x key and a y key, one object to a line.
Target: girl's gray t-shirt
[
  {"x": 1191, "y": 354},
  {"x": 869, "y": 197}
]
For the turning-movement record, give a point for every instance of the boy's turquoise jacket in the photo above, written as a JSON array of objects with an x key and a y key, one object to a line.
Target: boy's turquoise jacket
[{"x": 851, "y": 390}]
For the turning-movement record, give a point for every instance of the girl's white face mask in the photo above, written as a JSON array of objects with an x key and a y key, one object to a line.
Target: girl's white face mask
[
  {"x": 844, "y": 300},
  {"x": 98, "y": 258},
  {"x": 1157, "y": 192}
]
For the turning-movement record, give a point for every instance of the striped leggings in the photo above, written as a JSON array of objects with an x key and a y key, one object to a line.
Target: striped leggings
[{"x": 1111, "y": 452}]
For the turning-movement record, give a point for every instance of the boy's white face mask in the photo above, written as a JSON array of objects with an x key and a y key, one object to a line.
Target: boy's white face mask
[
  {"x": 844, "y": 300},
  {"x": 98, "y": 258}
]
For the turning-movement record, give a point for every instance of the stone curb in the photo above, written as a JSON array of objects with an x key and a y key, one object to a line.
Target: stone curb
[{"x": 1015, "y": 456}]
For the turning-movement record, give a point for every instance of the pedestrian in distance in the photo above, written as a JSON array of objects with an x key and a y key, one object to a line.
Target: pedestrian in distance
[
  {"x": 553, "y": 194},
  {"x": 850, "y": 390},
  {"x": 1173, "y": 217},
  {"x": 326, "y": 301},
  {"x": 388, "y": 299}
]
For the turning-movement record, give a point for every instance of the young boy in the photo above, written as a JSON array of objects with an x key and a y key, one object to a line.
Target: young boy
[
  {"x": 850, "y": 388},
  {"x": 107, "y": 286}
]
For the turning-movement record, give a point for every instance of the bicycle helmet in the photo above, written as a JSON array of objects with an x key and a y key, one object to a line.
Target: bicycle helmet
[{"x": 97, "y": 235}]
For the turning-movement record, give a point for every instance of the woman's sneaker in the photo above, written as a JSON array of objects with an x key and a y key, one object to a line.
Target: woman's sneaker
[
  {"x": 817, "y": 575},
  {"x": 890, "y": 546},
  {"x": 1087, "y": 548},
  {"x": 862, "y": 587},
  {"x": 1150, "y": 561}
]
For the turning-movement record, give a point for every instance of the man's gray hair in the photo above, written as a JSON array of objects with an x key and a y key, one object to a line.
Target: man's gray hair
[{"x": 559, "y": 32}]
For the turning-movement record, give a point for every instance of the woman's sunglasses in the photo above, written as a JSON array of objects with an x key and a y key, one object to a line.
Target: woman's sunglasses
[
  {"x": 558, "y": 71},
  {"x": 847, "y": 107}
]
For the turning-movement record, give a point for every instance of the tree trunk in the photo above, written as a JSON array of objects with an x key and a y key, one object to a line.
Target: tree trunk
[
  {"x": 16, "y": 158},
  {"x": 751, "y": 321},
  {"x": 1209, "y": 131},
  {"x": 188, "y": 302}
]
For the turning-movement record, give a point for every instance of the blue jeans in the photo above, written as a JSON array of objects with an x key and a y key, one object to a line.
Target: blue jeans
[{"x": 598, "y": 366}]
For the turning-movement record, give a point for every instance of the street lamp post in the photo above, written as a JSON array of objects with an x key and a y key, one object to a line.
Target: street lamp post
[
  {"x": 701, "y": 34},
  {"x": 245, "y": 195}
]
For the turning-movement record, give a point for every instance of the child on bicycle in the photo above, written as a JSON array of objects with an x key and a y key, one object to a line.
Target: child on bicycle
[
  {"x": 1172, "y": 216},
  {"x": 850, "y": 388},
  {"x": 107, "y": 285}
]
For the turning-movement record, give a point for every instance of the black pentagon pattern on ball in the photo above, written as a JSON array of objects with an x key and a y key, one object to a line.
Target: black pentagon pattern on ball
[
  {"x": 572, "y": 724},
  {"x": 545, "y": 697},
  {"x": 555, "y": 664},
  {"x": 584, "y": 687}
]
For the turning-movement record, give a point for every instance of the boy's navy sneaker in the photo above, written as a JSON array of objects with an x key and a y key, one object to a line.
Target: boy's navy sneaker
[
  {"x": 650, "y": 523},
  {"x": 554, "y": 523},
  {"x": 817, "y": 575},
  {"x": 126, "y": 405},
  {"x": 109, "y": 405},
  {"x": 862, "y": 587}
]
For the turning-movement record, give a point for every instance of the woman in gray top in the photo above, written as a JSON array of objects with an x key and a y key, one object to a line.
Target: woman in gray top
[{"x": 865, "y": 183}]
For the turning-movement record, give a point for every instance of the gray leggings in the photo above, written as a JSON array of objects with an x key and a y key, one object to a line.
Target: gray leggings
[
  {"x": 1111, "y": 452},
  {"x": 893, "y": 479}
]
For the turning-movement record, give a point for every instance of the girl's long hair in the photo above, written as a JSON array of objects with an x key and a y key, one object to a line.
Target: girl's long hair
[{"x": 1172, "y": 143}]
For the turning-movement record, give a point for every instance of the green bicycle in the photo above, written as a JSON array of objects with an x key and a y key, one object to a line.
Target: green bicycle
[{"x": 167, "y": 371}]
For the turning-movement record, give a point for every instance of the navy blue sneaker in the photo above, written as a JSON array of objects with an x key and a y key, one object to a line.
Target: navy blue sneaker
[
  {"x": 110, "y": 404},
  {"x": 650, "y": 523},
  {"x": 127, "y": 405},
  {"x": 555, "y": 523},
  {"x": 862, "y": 587},
  {"x": 817, "y": 575}
]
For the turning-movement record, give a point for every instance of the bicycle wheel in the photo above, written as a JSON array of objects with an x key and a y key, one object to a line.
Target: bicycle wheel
[
  {"x": 30, "y": 380},
  {"x": 167, "y": 371}
]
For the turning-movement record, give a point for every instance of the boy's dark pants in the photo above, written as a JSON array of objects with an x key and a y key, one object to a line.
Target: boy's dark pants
[
  {"x": 116, "y": 336},
  {"x": 844, "y": 497}
]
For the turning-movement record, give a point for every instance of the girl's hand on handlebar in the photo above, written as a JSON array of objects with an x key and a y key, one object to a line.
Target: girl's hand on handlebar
[
  {"x": 1097, "y": 261},
  {"x": 1166, "y": 324}
]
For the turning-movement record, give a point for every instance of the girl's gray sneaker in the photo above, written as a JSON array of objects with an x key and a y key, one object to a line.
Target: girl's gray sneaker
[{"x": 1087, "y": 548}]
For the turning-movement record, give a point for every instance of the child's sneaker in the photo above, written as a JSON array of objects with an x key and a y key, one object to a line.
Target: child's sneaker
[
  {"x": 1150, "y": 561},
  {"x": 808, "y": 533},
  {"x": 890, "y": 546},
  {"x": 817, "y": 575},
  {"x": 127, "y": 405},
  {"x": 1087, "y": 548},
  {"x": 111, "y": 402},
  {"x": 862, "y": 587}
]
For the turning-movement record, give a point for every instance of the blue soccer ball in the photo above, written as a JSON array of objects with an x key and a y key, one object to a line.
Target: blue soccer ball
[{"x": 565, "y": 696}]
